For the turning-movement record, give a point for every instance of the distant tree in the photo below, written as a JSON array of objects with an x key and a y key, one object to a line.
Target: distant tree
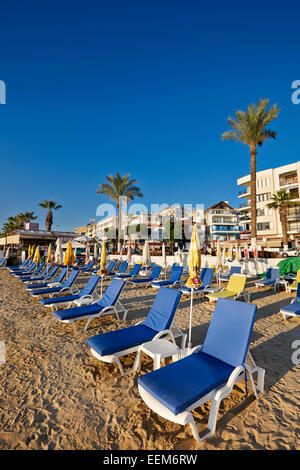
[
  {"x": 281, "y": 201},
  {"x": 116, "y": 187},
  {"x": 49, "y": 206}
]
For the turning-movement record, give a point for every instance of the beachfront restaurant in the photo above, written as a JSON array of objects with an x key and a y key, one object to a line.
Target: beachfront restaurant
[{"x": 18, "y": 242}]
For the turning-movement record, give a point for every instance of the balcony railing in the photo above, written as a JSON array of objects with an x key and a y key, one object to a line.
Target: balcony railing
[
  {"x": 288, "y": 181},
  {"x": 244, "y": 204},
  {"x": 243, "y": 191}
]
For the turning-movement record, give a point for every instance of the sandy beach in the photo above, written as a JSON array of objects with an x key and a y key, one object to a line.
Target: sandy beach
[{"x": 55, "y": 395}]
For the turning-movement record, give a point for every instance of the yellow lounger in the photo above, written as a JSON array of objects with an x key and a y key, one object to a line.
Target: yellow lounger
[
  {"x": 294, "y": 284},
  {"x": 234, "y": 290}
]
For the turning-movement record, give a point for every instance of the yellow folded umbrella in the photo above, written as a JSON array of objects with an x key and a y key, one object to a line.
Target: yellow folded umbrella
[
  {"x": 194, "y": 258},
  {"x": 102, "y": 269},
  {"x": 69, "y": 256},
  {"x": 49, "y": 256},
  {"x": 37, "y": 256}
]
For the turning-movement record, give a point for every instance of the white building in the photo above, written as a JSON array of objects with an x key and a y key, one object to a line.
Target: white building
[{"x": 268, "y": 182}]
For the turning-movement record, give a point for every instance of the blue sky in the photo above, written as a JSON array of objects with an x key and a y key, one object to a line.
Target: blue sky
[{"x": 145, "y": 87}]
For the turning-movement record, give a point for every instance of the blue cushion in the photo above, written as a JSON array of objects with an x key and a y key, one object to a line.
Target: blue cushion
[
  {"x": 112, "y": 293},
  {"x": 120, "y": 340},
  {"x": 57, "y": 300},
  {"x": 50, "y": 290},
  {"x": 163, "y": 309},
  {"x": 75, "y": 312},
  {"x": 180, "y": 384},
  {"x": 161, "y": 283},
  {"x": 292, "y": 308}
]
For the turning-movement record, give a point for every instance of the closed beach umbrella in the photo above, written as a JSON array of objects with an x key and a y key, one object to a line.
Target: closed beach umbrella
[
  {"x": 37, "y": 256},
  {"x": 146, "y": 254},
  {"x": 87, "y": 254},
  {"x": 163, "y": 252},
  {"x": 102, "y": 270},
  {"x": 49, "y": 255},
  {"x": 194, "y": 264},
  {"x": 7, "y": 253},
  {"x": 219, "y": 255},
  {"x": 58, "y": 252},
  {"x": 230, "y": 251},
  {"x": 69, "y": 256},
  {"x": 129, "y": 254}
]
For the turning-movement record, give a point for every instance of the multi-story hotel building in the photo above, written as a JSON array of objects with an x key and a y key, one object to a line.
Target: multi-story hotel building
[
  {"x": 268, "y": 182},
  {"x": 222, "y": 221}
]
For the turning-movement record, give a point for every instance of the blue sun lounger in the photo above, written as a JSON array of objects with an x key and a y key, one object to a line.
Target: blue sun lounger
[
  {"x": 109, "y": 347},
  {"x": 134, "y": 272},
  {"x": 46, "y": 274},
  {"x": 62, "y": 289},
  {"x": 272, "y": 276},
  {"x": 86, "y": 266},
  {"x": 293, "y": 309},
  {"x": 2, "y": 262},
  {"x": 26, "y": 263},
  {"x": 35, "y": 269},
  {"x": 122, "y": 270},
  {"x": 173, "y": 280},
  {"x": 233, "y": 270},
  {"x": 39, "y": 275},
  {"x": 147, "y": 281},
  {"x": 108, "y": 304},
  {"x": 28, "y": 271},
  {"x": 209, "y": 373},
  {"x": 85, "y": 294},
  {"x": 47, "y": 280},
  {"x": 206, "y": 275}
]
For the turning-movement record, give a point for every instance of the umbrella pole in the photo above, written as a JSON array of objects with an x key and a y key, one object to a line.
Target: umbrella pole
[
  {"x": 191, "y": 315},
  {"x": 101, "y": 285}
]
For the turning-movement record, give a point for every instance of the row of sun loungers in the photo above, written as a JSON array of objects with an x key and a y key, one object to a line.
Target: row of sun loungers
[{"x": 206, "y": 373}]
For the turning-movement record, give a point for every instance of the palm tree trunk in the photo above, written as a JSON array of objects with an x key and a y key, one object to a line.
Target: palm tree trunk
[
  {"x": 253, "y": 153},
  {"x": 119, "y": 234},
  {"x": 283, "y": 221},
  {"x": 49, "y": 221}
]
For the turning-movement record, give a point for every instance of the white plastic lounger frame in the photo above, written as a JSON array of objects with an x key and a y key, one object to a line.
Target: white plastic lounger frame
[
  {"x": 216, "y": 396},
  {"x": 83, "y": 300},
  {"x": 115, "y": 358},
  {"x": 116, "y": 309},
  {"x": 65, "y": 290},
  {"x": 286, "y": 314}
]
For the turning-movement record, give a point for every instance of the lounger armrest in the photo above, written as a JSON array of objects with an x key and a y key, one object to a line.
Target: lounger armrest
[
  {"x": 65, "y": 289},
  {"x": 164, "y": 333}
]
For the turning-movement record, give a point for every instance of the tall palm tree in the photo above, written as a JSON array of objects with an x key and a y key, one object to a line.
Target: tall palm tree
[
  {"x": 281, "y": 201},
  {"x": 50, "y": 206},
  {"x": 250, "y": 128},
  {"x": 116, "y": 187}
]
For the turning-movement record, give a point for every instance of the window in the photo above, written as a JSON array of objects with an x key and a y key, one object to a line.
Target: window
[
  {"x": 263, "y": 226},
  {"x": 260, "y": 212}
]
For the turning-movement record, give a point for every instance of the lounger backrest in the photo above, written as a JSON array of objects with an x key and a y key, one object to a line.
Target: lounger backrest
[
  {"x": 123, "y": 267},
  {"x": 229, "y": 331},
  {"x": 236, "y": 283},
  {"x": 135, "y": 270},
  {"x": 71, "y": 278},
  {"x": 112, "y": 293},
  {"x": 272, "y": 273},
  {"x": 61, "y": 275},
  {"x": 298, "y": 291},
  {"x": 163, "y": 309},
  {"x": 53, "y": 271},
  {"x": 176, "y": 273},
  {"x": 206, "y": 275},
  {"x": 155, "y": 272},
  {"x": 90, "y": 264},
  {"x": 90, "y": 285},
  {"x": 235, "y": 270},
  {"x": 298, "y": 276},
  {"x": 110, "y": 266}
]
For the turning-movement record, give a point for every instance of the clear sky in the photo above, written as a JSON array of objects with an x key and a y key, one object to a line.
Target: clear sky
[{"x": 144, "y": 87}]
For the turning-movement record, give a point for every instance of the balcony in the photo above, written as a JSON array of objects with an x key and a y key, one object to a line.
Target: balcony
[
  {"x": 243, "y": 192},
  {"x": 290, "y": 179},
  {"x": 244, "y": 205}
]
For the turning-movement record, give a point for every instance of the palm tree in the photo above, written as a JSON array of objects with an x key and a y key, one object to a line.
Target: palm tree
[
  {"x": 116, "y": 187},
  {"x": 25, "y": 217},
  {"x": 281, "y": 201},
  {"x": 50, "y": 206},
  {"x": 249, "y": 127}
]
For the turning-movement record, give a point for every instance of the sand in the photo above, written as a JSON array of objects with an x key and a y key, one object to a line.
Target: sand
[{"x": 55, "y": 395}]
